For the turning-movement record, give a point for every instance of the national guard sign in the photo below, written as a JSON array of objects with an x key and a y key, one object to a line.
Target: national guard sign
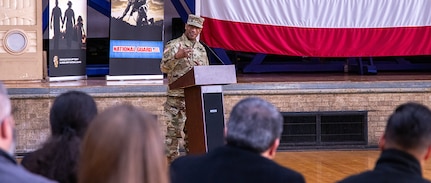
[{"x": 136, "y": 38}]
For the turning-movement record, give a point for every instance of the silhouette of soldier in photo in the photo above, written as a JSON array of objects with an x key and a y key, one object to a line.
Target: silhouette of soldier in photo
[
  {"x": 134, "y": 4},
  {"x": 80, "y": 32},
  {"x": 55, "y": 23},
  {"x": 69, "y": 17},
  {"x": 142, "y": 16}
]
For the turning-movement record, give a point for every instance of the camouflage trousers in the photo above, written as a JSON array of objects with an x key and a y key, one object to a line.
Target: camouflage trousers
[{"x": 175, "y": 113}]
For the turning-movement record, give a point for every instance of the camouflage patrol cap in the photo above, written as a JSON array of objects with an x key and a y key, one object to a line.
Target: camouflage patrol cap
[{"x": 195, "y": 21}]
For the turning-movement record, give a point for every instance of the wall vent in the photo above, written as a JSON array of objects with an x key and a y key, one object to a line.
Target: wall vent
[{"x": 324, "y": 129}]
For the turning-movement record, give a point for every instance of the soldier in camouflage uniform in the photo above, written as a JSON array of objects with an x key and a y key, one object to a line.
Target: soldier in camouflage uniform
[{"x": 179, "y": 56}]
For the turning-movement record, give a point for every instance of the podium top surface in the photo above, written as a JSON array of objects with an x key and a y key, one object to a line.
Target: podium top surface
[{"x": 206, "y": 75}]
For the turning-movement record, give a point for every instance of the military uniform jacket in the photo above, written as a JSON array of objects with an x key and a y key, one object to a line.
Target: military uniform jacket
[
  {"x": 175, "y": 68},
  {"x": 393, "y": 166}
]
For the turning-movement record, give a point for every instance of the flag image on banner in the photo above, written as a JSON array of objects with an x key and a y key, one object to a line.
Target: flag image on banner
[{"x": 319, "y": 28}]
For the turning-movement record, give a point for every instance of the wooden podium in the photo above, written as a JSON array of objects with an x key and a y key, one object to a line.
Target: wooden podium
[{"x": 204, "y": 105}]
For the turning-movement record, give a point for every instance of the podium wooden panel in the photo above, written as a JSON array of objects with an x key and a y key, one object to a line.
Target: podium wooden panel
[{"x": 204, "y": 105}]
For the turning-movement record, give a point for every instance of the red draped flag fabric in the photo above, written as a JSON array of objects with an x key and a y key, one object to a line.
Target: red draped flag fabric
[{"x": 319, "y": 28}]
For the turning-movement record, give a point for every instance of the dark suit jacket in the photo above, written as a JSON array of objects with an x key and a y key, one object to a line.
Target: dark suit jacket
[
  {"x": 11, "y": 172},
  {"x": 229, "y": 164},
  {"x": 41, "y": 162},
  {"x": 393, "y": 166}
]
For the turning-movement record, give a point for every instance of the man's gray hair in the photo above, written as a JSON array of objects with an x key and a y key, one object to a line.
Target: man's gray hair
[
  {"x": 5, "y": 105},
  {"x": 254, "y": 124}
]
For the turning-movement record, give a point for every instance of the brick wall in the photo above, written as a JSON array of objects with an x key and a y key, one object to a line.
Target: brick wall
[
  {"x": 31, "y": 113},
  {"x": 378, "y": 105}
]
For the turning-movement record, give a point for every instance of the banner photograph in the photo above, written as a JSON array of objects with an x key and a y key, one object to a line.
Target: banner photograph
[
  {"x": 319, "y": 28},
  {"x": 136, "y": 37},
  {"x": 67, "y": 38}
]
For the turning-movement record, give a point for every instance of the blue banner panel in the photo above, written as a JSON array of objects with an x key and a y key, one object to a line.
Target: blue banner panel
[{"x": 135, "y": 49}]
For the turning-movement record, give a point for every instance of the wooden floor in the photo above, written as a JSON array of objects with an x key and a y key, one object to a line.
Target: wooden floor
[{"x": 328, "y": 166}]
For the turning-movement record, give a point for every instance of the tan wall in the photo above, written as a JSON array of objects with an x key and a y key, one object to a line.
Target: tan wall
[
  {"x": 33, "y": 127},
  {"x": 25, "y": 17}
]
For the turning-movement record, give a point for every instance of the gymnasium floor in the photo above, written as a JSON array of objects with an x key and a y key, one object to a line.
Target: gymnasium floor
[{"x": 328, "y": 166}]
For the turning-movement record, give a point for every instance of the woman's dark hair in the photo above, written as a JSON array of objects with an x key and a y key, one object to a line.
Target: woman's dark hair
[
  {"x": 71, "y": 113},
  {"x": 69, "y": 118}
]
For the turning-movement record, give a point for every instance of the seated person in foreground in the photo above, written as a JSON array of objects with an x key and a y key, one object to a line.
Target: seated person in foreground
[
  {"x": 69, "y": 117},
  {"x": 123, "y": 145},
  {"x": 252, "y": 135},
  {"x": 405, "y": 145},
  {"x": 10, "y": 170}
]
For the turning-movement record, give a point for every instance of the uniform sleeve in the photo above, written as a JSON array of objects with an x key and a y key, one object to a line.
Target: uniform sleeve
[
  {"x": 205, "y": 59},
  {"x": 168, "y": 61},
  {"x": 202, "y": 57}
]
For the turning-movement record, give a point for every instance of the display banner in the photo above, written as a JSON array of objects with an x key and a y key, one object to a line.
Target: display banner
[
  {"x": 136, "y": 38},
  {"x": 67, "y": 39}
]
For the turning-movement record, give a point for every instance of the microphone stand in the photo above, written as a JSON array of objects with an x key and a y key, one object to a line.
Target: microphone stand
[{"x": 212, "y": 51}]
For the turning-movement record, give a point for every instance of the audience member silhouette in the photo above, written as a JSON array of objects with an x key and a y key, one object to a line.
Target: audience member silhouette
[
  {"x": 10, "y": 171},
  {"x": 69, "y": 118},
  {"x": 123, "y": 144},
  {"x": 405, "y": 146},
  {"x": 253, "y": 134}
]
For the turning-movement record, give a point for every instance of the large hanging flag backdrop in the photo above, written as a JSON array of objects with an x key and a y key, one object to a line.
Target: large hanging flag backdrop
[
  {"x": 319, "y": 28},
  {"x": 136, "y": 33},
  {"x": 67, "y": 39}
]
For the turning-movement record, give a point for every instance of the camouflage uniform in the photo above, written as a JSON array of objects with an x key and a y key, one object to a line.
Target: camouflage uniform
[{"x": 175, "y": 105}]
